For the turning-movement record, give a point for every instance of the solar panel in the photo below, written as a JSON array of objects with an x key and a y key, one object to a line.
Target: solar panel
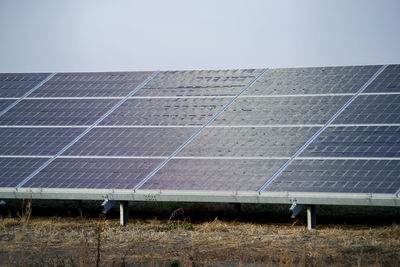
[
  {"x": 270, "y": 134},
  {"x": 159, "y": 142},
  {"x": 156, "y": 111},
  {"x": 98, "y": 84},
  {"x": 281, "y": 111},
  {"x": 56, "y": 112},
  {"x": 35, "y": 141},
  {"x": 199, "y": 83},
  {"x": 356, "y": 141},
  {"x": 17, "y": 84},
  {"x": 14, "y": 170},
  {"x": 339, "y": 175},
  {"x": 313, "y": 80}
]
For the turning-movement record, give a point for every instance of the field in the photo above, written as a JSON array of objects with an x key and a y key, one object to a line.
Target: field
[{"x": 61, "y": 234}]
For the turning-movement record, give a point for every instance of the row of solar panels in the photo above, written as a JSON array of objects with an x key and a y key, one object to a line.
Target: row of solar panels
[{"x": 181, "y": 130}]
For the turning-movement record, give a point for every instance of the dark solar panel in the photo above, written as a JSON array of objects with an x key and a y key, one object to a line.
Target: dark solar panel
[
  {"x": 387, "y": 81},
  {"x": 372, "y": 109},
  {"x": 312, "y": 80},
  {"x": 351, "y": 141},
  {"x": 17, "y": 84},
  {"x": 346, "y": 176},
  {"x": 14, "y": 170},
  {"x": 131, "y": 141},
  {"x": 199, "y": 83},
  {"x": 281, "y": 110},
  {"x": 93, "y": 173},
  {"x": 4, "y": 104},
  {"x": 213, "y": 174},
  {"x": 178, "y": 111},
  {"x": 35, "y": 141},
  {"x": 248, "y": 142},
  {"x": 56, "y": 112},
  {"x": 100, "y": 84}
]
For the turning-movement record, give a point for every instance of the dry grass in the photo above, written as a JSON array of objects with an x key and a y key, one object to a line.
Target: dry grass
[{"x": 66, "y": 241}]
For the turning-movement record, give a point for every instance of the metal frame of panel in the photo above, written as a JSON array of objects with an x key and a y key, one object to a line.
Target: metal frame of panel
[{"x": 354, "y": 199}]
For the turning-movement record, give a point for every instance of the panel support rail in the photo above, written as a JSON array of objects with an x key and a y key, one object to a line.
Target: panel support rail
[
  {"x": 315, "y": 135},
  {"x": 27, "y": 93},
  {"x": 216, "y": 115},
  {"x": 44, "y": 165}
]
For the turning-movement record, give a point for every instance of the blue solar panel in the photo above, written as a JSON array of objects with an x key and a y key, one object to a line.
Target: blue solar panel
[
  {"x": 344, "y": 176},
  {"x": 35, "y": 141},
  {"x": 14, "y": 170},
  {"x": 372, "y": 109},
  {"x": 313, "y": 80},
  {"x": 93, "y": 173},
  {"x": 361, "y": 141},
  {"x": 97, "y": 84},
  {"x": 56, "y": 112},
  {"x": 388, "y": 81},
  {"x": 17, "y": 84}
]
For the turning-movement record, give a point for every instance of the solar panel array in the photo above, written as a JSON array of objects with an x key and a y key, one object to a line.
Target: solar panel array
[{"x": 327, "y": 129}]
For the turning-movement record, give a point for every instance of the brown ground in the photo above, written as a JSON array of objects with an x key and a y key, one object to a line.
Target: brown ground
[{"x": 79, "y": 241}]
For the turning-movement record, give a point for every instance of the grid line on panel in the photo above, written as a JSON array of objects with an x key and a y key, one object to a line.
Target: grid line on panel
[
  {"x": 87, "y": 130},
  {"x": 326, "y": 125},
  {"x": 151, "y": 174},
  {"x": 27, "y": 94}
]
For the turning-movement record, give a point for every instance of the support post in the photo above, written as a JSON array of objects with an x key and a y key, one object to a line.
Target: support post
[
  {"x": 311, "y": 217},
  {"x": 123, "y": 210}
]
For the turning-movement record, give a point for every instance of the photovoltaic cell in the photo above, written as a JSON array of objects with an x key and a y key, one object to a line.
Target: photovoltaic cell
[
  {"x": 4, "y": 104},
  {"x": 131, "y": 141},
  {"x": 56, "y": 112},
  {"x": 340, "y": 176},
  {"x": 372, "y": 109},
  {"x": 14, "y": 170},
  {"x": 387, "y": 81},
  {"x": 35, "y": 141},
  {"x": 94, "y": 84},
  {"x": 17, "y": 84},
  {"x": 359, "y": 141},
  {"x": 93, "y": 173},
  {"x": 248, "y": 142},
  {"x": 213, "y": 174},
  {"x": 179, "y": 111},
  {"x": 289, "y": 110},
  {"x": 199, "y": 83},
  {"x": 312, "y": 80}
]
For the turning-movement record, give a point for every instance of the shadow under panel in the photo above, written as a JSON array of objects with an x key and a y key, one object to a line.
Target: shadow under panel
[
  {"x": 166, "y": 111},
  {"x": 287, "y": 110},
  {"x": 199, "y": 83},
  {"x": 15, "y": 170},
  {"x": 57, "y": 112},
  {"x": 36, "y": 141},
  {"x": 360, "y": 141},
  {"x": 339, "y": 176},
  {"x": 93, "y": 173},
  {"x": 17, "y": 84},
  {"x": 91, "y": 84},
  {"x": 213, "y": 174},
  {"x": 248, "y": 142},
  {"x": 131, "y": 141},
  {"x": 323, "y": 80},
  {"x": 372, "y": 109}
]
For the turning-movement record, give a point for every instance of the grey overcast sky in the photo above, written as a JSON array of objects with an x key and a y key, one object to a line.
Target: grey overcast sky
[{"x": 77, "y": 35}]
